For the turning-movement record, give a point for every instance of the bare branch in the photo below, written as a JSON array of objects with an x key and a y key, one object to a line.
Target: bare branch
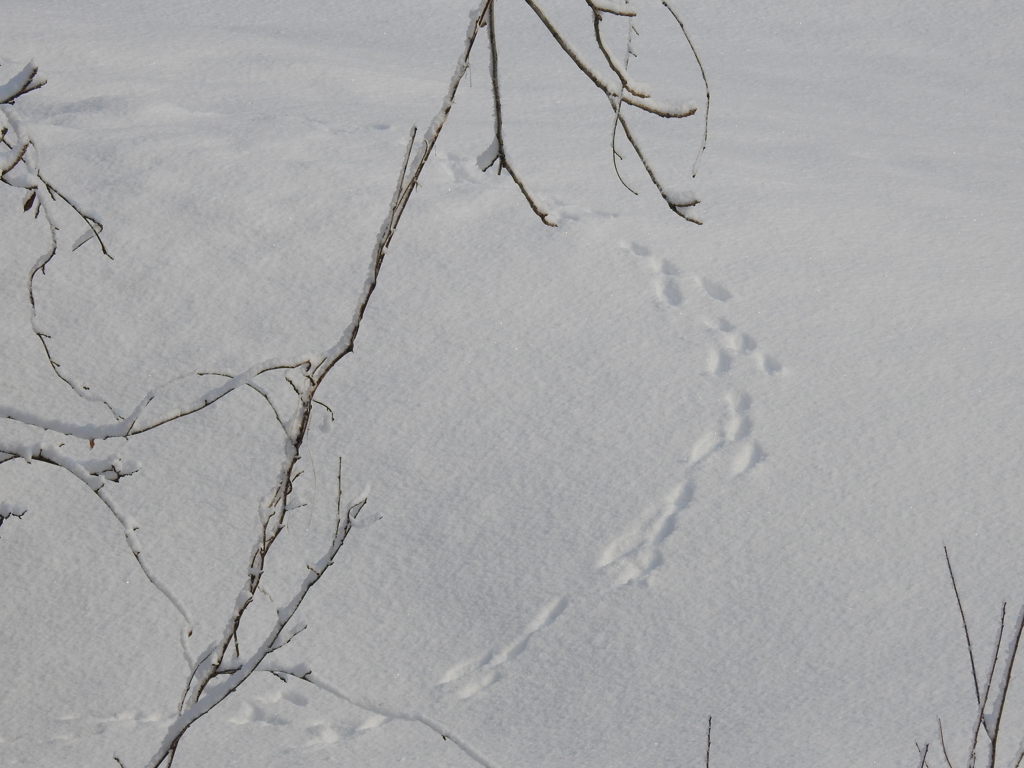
[
  {"x": 9, "y": 509},
  {"x": 660, "y": 108},
  {"x": 255, "y": 388},
  {"x": 405, "y": 188},
  {"x": 980, "y": 720},
  {"x": 618, "y": 112},
  {"x": 94, "y": 475},
  {"x": 626, "y": 84},
  {"x": 707, "y": 88},
  {"x": 25, "y": 81},
  {"x": 942, "y": 741},
  {"x": 216, "y": 693},
  {"x": 993, "y": 720},
  {"x": 963, "y": 620},
  {"x": 679, "y": 203},
  {"x": 45, "y": 197},
  {"x": 133, "y": 423},
  {"x": 215, "y": 676},
  {"x": 707, "y": 753},
  {"x": 444, "y": 731},
  {"x": 500, "y": 152}
]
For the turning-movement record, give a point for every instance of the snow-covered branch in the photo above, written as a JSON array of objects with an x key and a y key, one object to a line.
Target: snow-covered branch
[
  {"x": 19, "y": 169},
  {"x": 647, "y": 104},
  {"x": 207, "y": 694},
  {"x": 140, "y": 420},
  {"x": 226, "y": 663},
  {"x": 95, "y": 474},
  {"x": 627, "y": 92},
  {"x": 990, "y": 692},
  {"x": 9, "y": 509}
]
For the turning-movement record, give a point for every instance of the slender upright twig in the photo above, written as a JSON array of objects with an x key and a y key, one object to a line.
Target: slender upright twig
[
  {"x": 979, "y": 721},
  {"x": 707, "y": 88},
  {"x": 963, "y": 621},
  {"x": 500, "y": 151},
  {"x": 995, "y": 717},
  {"x": 942, "y": 741},
  {"x": 924, "y": 756},
  {"x": 707, "y": 752}
]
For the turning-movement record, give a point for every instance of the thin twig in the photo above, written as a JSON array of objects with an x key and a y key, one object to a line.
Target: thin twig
[
  {"x": 924, "y": 755},
  {"x": 275, "y": 509},
  {"x": 679, "y": 207},
  {"x": 618, "y": 114},
  {"x": 95, "y": 477},
  {"x": 963, "y": 620},
  {"x": 661, "y": 109},
  {"x": 979, "y": 721},
  {"x": 942, "y": 741},
  {"x": 994, "y": 720},
  {"x": 707, "y": 88},
  {"x": 214, "y": 696},
  {"x": 255, "y": 388},
  {"x": 707, "y": 753},
  {"x": 442, "y": 730},
  {"x": 501, "y": 157}
]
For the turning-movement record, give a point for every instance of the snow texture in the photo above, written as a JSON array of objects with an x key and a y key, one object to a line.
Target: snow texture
[{"x": 627, "y": 472}]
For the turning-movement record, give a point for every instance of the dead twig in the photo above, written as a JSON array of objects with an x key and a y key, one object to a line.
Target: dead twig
[{"x": 963, "y": 621}]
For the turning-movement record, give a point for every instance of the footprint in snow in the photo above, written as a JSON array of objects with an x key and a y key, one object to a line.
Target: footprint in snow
[
  {"x": 633, "y": 556},
  {"x": 714, "y": 290},
  {"x": 474, "y": 675},
  {"x": 731, "y": 354}
]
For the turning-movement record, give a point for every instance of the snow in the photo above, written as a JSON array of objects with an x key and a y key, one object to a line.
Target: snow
[{"x": 626, "y": 473}]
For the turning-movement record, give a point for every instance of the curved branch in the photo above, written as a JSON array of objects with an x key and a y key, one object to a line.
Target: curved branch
[
  {"x": 660, "y": 108},
  {"x": 707, "y": 88},
  {"x": 255, "y": 388},
  {"x": 94, "y": 475},
  {"x": 130, "y": 424},
  {"x": 41, "y": 195}
]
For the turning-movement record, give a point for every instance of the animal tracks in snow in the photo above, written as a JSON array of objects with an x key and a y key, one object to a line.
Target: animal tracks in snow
[
  {"x": 288, "y": 705},
  {"x": 726, "y": 449},
  {"x": 728, "y": 344},
  {"x": 714, "y": 290},
  {"x": 732, "y": 353},
  {"x": 473, "y": 675},
  {"x": 637, "y": 552}
]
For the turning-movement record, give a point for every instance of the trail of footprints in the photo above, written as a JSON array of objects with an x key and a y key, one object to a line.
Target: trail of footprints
[
  {"x": 475, "y": 674},
  {"x": 631, "y": 557},
  {"x": 287, "y": 706}
]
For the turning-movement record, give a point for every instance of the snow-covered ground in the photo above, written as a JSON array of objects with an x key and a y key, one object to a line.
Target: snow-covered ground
[{"x": 624, "y": 474}]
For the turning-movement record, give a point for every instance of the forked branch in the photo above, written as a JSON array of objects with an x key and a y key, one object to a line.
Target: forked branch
[
  {"x": 497, "y": 152},
  {"x": 223, "y": 667},
  {"x": 992, "y": 692},
  {"x": 19, "y": 169}
]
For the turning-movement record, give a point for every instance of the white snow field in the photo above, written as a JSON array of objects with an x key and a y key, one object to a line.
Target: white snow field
[{"x": 623, "y": 474}]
